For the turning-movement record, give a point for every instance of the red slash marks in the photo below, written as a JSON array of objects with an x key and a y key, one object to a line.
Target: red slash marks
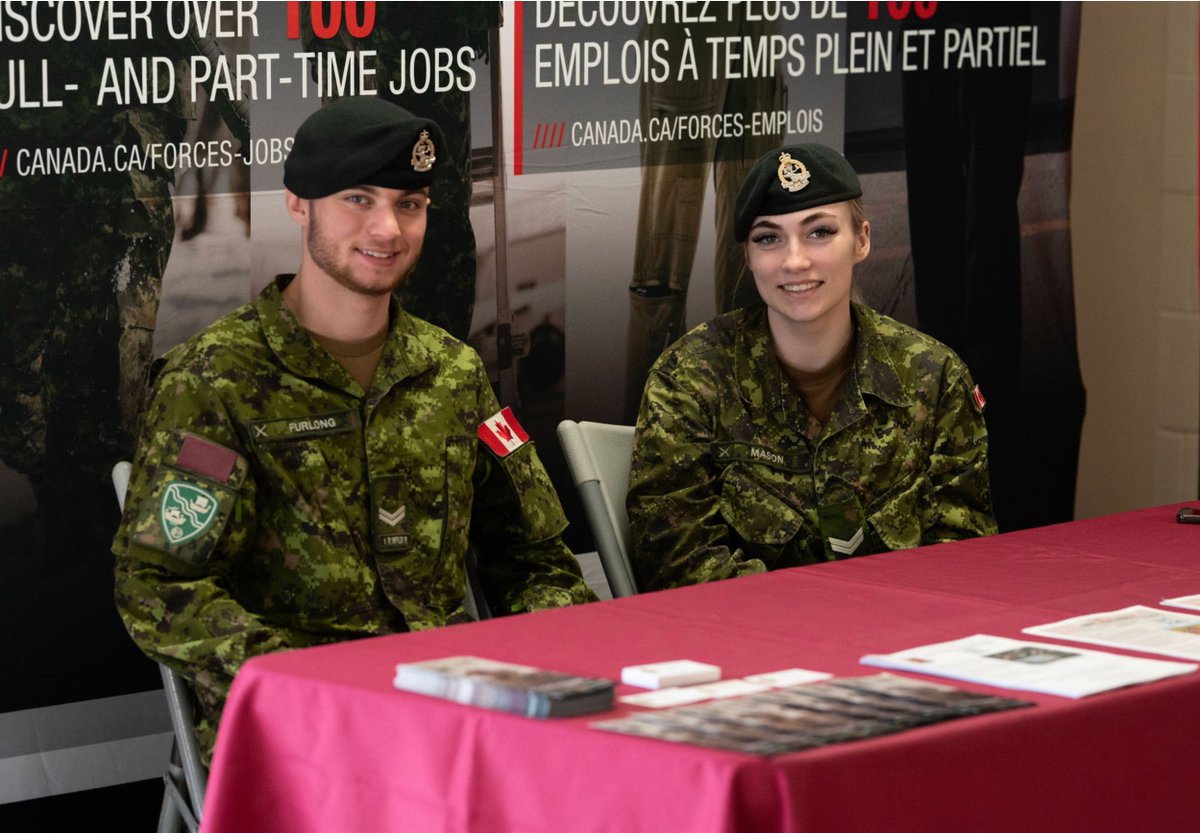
[
  {"x": 3, "y": 161},
  {"x": 549, "y": 135}
]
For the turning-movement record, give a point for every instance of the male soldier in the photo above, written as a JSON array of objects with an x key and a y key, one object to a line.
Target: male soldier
[
  {"x": 441, "y": 289},
  {"x": 314, "y": 464}
]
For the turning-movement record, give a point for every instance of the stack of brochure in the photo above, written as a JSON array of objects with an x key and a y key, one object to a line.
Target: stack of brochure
[
  {"x": 802, "y": 717},
  {"x": 503, "y": 686}
]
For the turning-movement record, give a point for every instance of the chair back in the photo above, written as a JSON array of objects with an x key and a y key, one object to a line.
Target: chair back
[
  {"x": 186, "y": 778},
  {"x": 598, "y": 456}
]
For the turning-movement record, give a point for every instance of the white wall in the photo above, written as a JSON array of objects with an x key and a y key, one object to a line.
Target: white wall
[{"x": 1134, "y": 228}]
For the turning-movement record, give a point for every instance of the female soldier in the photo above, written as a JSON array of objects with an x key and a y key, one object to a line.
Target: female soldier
[{"x": 808, "y": 427}]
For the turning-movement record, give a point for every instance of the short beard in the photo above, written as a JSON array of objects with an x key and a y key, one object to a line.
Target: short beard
[{"x": 323, "y": 256}]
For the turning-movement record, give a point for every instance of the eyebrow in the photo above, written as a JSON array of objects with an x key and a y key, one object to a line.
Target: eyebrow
[
  {"x": 811, "y": 218},
  {"x": 372, "y": 189}
]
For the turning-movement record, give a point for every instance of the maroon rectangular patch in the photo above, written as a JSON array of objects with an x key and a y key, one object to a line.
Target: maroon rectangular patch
[{"x": 206, "y": 458}]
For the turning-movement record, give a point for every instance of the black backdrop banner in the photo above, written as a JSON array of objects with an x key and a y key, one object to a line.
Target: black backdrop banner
[{"x": 582, "y": 224}]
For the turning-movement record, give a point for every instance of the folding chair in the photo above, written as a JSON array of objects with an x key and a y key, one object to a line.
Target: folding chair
[
  {"x": 186, "y": 777},
  {"x": 476, "y": 601},
  {"x": 598, "y": 457}
]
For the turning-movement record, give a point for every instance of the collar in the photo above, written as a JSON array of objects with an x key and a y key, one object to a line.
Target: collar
[
  {"x": 764, "y": 384},
  {"x": 404, "y": 354}
]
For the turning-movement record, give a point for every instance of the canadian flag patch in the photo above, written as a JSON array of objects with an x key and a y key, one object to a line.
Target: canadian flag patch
[
  {"x": 977, "y": 396},
  {"x": 502, "y": 433}
]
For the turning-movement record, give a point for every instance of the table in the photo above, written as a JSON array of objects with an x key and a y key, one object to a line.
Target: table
[{"x": 318, "y": 740}]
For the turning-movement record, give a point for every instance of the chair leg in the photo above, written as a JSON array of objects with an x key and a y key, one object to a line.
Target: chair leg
[{"x": 169, "y": 820}]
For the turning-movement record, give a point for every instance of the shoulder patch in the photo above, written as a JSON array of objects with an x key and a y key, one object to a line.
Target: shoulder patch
[
  {"x": 977, "y": 398},
  {"x": 206, "y": 458},
  {"x": 502, "y": 433},
  {"x": 186, "y": 511}
]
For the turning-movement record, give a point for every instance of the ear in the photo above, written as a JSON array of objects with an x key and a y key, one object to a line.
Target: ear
[
  {"x": 862, "y": 243},
  {"x": 297, "y": 208}
]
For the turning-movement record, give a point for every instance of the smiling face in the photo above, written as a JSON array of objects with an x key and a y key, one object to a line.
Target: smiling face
[
  {"x": 366, "y": 238},
  {"x": 803, "y": 261}
]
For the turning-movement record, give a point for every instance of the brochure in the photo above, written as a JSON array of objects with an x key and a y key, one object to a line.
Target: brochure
[
  {"x": 790, "y": 719},
  {"x": 1189, "y": 602},
  {"x": 1136, "y": 628},
  {"x": 504, "y": 686},
  {"x": 1029, "y": 666}
]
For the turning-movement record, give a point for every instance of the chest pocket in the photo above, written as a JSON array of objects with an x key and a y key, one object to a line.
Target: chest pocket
[
  {"x": 314, "y": 462},
  {"x": 757, "y": 513},
  {"x": 308, "y": 567},
  {"x": 895, "y": 517},
  {"x": 419, "y": 522}
]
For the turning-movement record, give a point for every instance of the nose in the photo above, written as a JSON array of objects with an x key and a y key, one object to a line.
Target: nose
[
  {"x": 796, "y": 259},
  {"x": 384, "y": 223}
]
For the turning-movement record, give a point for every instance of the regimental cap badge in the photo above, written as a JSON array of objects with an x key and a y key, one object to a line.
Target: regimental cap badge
[
  {"x": 792, "y": 174},
  {"x": 424, "y": 154}
]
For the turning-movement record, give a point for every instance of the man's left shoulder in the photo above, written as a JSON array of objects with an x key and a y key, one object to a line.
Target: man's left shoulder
[{"x": 444, "y": 349}]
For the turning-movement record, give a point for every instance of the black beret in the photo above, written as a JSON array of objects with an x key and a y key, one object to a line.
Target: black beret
[
  {"x": 792, "y": 178},
  {"x": 361, "y": 141}
]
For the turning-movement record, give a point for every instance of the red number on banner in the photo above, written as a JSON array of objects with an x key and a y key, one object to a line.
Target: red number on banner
[
  {"x": 360, "y": 19},
  {"x": 361, "y": 28},
  {"x": 900, "y": 10}
]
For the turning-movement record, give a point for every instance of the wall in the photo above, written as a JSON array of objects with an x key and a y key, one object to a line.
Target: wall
[{"x": 1134, "y": 227}]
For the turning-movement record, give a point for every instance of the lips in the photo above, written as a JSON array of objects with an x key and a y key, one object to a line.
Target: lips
[
  {"x": 804, "y": 286},
  {"x": 376, "y": 255}
]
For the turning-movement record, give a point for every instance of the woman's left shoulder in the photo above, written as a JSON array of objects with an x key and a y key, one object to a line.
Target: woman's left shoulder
[{"x": 900, "y": 338}]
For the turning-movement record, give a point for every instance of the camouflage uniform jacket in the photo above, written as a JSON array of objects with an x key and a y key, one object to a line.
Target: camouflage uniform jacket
[
  {"x": 275, "y": 504},
  {"x": 729, "y": 477}
]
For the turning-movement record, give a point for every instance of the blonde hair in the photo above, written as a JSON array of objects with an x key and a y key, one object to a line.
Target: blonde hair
[{"x": 858, "y": 215}]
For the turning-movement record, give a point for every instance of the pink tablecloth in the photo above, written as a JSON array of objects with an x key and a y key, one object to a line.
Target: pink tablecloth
[{"x": 318, "y": 740}]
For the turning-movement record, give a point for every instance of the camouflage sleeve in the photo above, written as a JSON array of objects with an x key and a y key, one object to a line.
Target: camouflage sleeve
[
  {"x": 189, "y": 511},
  {"x": 679, "y": 534},
  {"x": 517, "y": 523},
  {"x": 960, "y": 502}
]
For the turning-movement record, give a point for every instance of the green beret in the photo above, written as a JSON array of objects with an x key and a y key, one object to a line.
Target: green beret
[
  {"x": 792, "y": 178},
  {"x": 361, "y": 141}
]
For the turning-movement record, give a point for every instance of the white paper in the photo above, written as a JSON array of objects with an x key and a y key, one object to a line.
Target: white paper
[
  {"x": 665, "y": 698},
  {"x": 672, "y": 673},
  {"x": 682, "y": 695},
  {"x": 1029, "y": 666},
  {"x": 1136, "y": 628},
  {"x": 788, "y": 677},
  {"x": 1189, "y": 602},
  {"x": 730, "y": 688}
]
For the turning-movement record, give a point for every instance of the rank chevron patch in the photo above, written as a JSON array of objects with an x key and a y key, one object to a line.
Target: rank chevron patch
[
  {"x": 391, "y": 518},
  {"x": 847, "y": 546}
]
